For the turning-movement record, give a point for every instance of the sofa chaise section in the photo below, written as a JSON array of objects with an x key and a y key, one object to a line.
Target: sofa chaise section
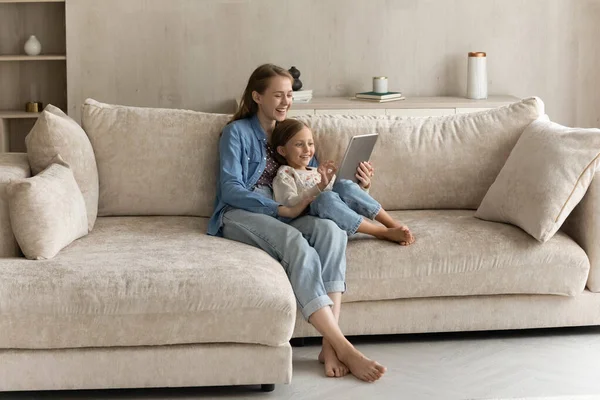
[{"x": 146, "y": 281}]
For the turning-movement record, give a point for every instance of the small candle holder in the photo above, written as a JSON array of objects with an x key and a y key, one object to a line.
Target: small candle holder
[
  {"x": 380, "y": 84},
  {"x": 34, "y": 106}
]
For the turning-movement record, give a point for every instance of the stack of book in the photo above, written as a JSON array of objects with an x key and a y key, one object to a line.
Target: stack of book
[
  {"x": 379, "y": 97},
  {"x": 302, "y": 96}
]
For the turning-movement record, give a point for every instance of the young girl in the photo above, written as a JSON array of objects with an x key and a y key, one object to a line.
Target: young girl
[{"x": 343, "y": 202}]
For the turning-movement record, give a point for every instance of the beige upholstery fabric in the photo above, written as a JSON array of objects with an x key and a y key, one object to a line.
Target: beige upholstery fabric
[
  {"x": 145, "y": 367},
  {"x": 583, "y": 225},
  {"x": 154, "y": 161},
  {"x": 47, "y": 211},
  {"x": 143, "y": 281},
  {"x": 545, "y": 177},
  {"x": 12, "y": 166},
  {"x": 456, "y": 254},
  {"x": 431, "y": 163},
  {"x": 56, "y": 133},
  {"x": 465, "y": 313}
]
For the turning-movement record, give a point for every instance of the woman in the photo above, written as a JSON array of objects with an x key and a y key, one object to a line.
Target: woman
[{"x": 311, "y": 250}]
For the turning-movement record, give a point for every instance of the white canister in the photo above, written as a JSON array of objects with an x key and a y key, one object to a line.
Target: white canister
[
  {"x": 477, "y": 76},
  {"x": 380, "y": 84}
]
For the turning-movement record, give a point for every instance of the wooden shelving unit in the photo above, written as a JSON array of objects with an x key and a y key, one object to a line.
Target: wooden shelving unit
[{"x": 26, "y": 78}]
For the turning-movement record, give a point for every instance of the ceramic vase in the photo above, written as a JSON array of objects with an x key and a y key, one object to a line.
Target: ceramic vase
[{"x": 33, "y": 47}]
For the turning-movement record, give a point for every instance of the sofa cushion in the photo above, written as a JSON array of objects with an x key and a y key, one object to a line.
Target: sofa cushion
[
  {"x": 56, "y": 133},
  {"x": 47, "y": 211},
  {"x": 12, "y": 166},
  {"x": 154, "y": 161},
  {"x": 547, "y": 174},
  {"x": 143, "y": 281},
  {"x": 456, "y": 254},
  {"x": 431, "y": 163}
]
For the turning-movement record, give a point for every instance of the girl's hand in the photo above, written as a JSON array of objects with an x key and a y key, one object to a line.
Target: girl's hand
[
  {"x": 327, "y": 171},
  {"x": 293, "y": 212},
  {"x": 364, "y": 173}
]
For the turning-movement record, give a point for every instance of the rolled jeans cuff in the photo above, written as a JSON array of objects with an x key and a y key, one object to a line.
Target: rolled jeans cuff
[
  {"x": 335, "y": 286},
  {"x": 315, "y": 305},
  {"x": 355, "y": 226},
  {"x": 373, "y": 213}
]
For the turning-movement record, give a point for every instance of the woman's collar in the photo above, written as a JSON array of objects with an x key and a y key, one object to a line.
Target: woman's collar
[{"x": 257, "y": 127}]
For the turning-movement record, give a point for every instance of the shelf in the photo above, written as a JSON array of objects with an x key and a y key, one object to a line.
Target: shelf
[
  {"x": 32, "y": 1},
  {"x": 15, "y": 114},
  {"x": 329, "y": 103},
  {"x": 47, "y": 57}
]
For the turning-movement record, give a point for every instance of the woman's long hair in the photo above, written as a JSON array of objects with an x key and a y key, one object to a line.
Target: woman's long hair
[{"x": 259, "y": 81}]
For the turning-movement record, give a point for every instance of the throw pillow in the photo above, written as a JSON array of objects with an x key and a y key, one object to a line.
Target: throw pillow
[
  {"x": 47, "y": 211},
  {"x": 544, "y": 178},
  {"x": 56, "y": 133}
]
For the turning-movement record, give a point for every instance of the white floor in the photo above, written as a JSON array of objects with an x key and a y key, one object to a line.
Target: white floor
[{"x": 561, "y": 364}]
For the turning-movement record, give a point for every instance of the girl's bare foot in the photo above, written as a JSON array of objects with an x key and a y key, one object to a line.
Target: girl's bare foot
[
  {"x": 334, "y": 368},
  {"x": 411, "y": 238},
  {"x": 397, "y": 224},
  {"x": 361, "y": 367},
  {"x": 400, "y": 235}
]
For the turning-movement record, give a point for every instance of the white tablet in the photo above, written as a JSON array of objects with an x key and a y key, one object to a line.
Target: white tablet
[{"x": 359, "y": 149}]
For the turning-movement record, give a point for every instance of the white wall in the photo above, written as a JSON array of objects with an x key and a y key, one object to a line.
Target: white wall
[{"x": 198, "y": 54}]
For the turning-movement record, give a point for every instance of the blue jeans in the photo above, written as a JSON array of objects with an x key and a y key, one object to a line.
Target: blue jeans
[
  {"x": 311, "y": 250},
  {"x": 346, "y": 205}
]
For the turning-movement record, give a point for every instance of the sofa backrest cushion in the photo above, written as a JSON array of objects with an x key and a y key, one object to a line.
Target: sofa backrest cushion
[
  {"x": 154, "y": 161},
  {"x": 444, "y": 162}
]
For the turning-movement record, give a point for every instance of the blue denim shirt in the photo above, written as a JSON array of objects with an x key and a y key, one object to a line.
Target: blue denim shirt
[{"x": 243, "y": 158}]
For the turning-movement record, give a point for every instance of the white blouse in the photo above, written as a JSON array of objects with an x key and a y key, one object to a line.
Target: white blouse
[{"x": 290, "y": 185}]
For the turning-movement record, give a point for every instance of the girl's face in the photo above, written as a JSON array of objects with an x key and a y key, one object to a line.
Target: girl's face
[
  {"x": 299, "y": 150},
  {"x": 276, "y": 100}
]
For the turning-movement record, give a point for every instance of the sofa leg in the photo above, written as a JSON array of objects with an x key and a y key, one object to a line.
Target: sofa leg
[
  {"x": 297, "y": 342},
  {"x": 267, "y": 387}
]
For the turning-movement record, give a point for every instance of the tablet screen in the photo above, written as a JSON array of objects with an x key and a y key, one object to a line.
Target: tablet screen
[{"x": 359, "y": 149}]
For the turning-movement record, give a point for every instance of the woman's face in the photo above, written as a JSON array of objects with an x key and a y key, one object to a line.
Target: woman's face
[
  {"x": 276, "y": 100},
  {"x": 299, "y": 150}
]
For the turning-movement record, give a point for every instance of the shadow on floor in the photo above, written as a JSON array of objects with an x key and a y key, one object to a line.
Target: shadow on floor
[
  {"x": 241, "y": 392},
  {"x": 478, "y": 335}
]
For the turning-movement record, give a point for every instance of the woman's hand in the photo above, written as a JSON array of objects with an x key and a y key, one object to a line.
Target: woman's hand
[
  {"x": 364, "y": 173},
  {"x": 293, "y": 212},
  {"x": 327, "y": 171}
]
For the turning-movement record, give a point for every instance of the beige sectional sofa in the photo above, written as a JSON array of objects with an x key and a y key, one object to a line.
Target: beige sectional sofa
[{"x": 147, "y": 299}]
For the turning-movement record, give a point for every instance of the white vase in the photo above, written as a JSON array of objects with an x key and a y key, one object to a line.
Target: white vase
[{"x": 33, "y": 47}]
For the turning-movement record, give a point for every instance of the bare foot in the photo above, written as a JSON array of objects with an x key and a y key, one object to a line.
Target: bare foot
[
  {"x": 361, "y": 367},
  {"x": 400, "y": 235},
  {"x": 397, "y": 224},
  {"x": 334, "y": 368},
  {"x": 411, "y": 238}
]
